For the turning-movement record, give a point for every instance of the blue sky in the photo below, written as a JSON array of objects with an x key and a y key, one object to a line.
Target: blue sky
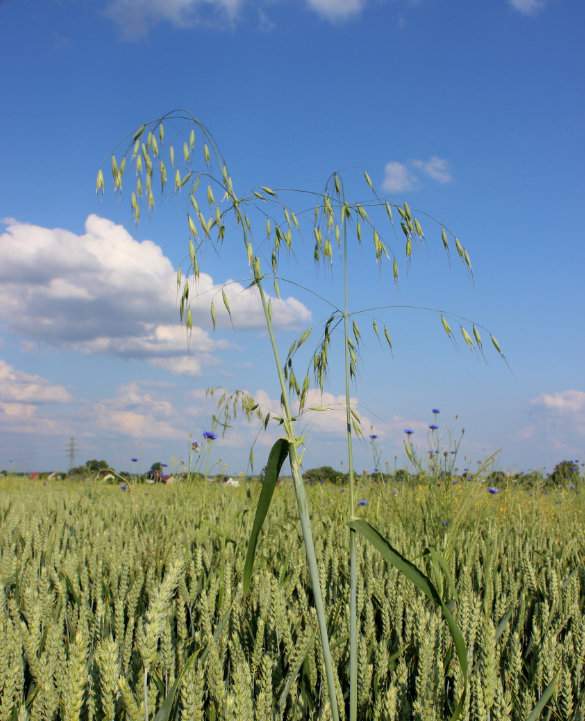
[{"x": 473, "y": 112}]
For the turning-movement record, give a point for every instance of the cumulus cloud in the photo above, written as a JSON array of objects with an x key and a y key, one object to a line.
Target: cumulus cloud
[
  {"x": 528, "y": 7},
  {"x": 398, "y": 178},
  {"x": 136, "y": 17},
  {"x": 105, "y": 292},
  {"x": 335, "y": 10},
  {"x": 564, "y": 402},
  {"x": 21, "y": 394},
  {"x": 137, "y": 413},
  {"x": 436, "y": 168}
]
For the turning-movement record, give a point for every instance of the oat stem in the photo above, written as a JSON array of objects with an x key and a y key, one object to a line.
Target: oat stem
[{"x": 353, "y": 650}]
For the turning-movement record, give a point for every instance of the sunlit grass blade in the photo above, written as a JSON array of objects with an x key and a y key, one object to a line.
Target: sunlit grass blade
[{"x": 276, "y": 458}]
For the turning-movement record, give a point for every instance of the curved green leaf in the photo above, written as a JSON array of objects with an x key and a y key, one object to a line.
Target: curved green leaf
[
  {"x": 277, "y": 456},
  {"x": 424, "y": 584}
]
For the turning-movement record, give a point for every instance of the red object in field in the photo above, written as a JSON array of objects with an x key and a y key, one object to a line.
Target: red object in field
[{"x": 34, "y": 475}]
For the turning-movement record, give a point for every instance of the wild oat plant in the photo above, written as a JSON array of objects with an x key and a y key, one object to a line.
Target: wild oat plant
[{"x": 218, "y": 213}]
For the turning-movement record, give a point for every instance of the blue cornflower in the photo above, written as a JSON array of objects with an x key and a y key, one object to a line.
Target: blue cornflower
[
  {"x": 134, "y": 460},
  {"x": 436, "y": 411},
  {"x": 164, "y": 465},
  {"x": 373, "y": 437},
  {"x": 362, "y": 502},
  {"x": 433, "y": 427},
  {"x": 209, "y": 435},
  {"x": 493, "y": 490},
  {"x": 408, "y": 431}
]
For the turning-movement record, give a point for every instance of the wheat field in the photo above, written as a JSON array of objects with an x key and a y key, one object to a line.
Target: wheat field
[{"x": 112, "y": 602}]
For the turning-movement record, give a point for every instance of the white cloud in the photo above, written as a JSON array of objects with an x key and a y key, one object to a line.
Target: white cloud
[
  {"x": 402, "y": 177},
  {"x": 136, "y": 17},
  {"x": 138, "y": 414},
  {"x": 105, "y": 292},
  {"x": 188, "y": 366},
  {"x": 436, "y": 168},
  {"x": 528, "y": 7},
  {"x": 564, "y": 402},
  {"x": 563, "y": 423},
  {"x": 335, "y": 10},
  {"x": 398, "y": 178},
  {"x": 21, "y": 394},
  {"x": 23, "y": 387},
  {"x": 25, "y": 418}
]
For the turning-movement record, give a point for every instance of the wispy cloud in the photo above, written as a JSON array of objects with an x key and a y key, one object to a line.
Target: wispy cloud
[
  {"x": 528, "y": 7},
  {"x": 21, "y": 395},
  {"x": 20, "y": 387},
  {"x": 398, "y": 178},
  {"x": 564, "y": 402},
  {"x": 105, "y": 292},
  {"x": 137, "y": 413},
  {"x": 336, "y": 10},
  {"x": 562, "y": 425},
  {"x": 436, "y": 168},
  {"x": 136, "y": 17},
  {"x": 402, "y": 177}
]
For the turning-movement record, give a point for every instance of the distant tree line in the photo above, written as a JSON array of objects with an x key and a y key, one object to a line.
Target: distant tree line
[{"x": 565, "y": 473}]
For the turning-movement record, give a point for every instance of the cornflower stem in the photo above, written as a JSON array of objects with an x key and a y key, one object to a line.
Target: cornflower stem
[
  {"x": 353, "y": 649},
  {"x": 303, "y": 508},
  {"x": 206, "y": 465},
  {"x": 189, "y": 458}
]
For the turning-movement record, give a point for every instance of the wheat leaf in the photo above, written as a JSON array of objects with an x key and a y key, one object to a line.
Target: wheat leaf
[
  {"x": 424, "y": 584},
  {"x": 276, "y": 459}
]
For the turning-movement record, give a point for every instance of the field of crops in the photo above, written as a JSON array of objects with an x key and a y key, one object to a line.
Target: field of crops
[{"x": 107, "y": 599}]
